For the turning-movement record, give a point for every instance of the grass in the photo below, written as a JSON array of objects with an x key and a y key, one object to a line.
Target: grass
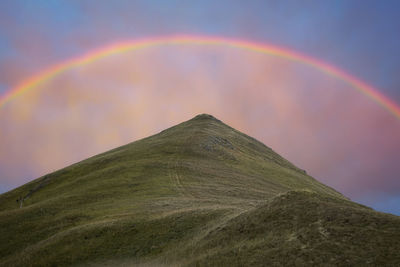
[
  {"x": 302, "y": 228},
  {"x": 199, "y": 193}
]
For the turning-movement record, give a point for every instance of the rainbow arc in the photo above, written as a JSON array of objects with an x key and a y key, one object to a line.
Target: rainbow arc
[{"x": 122, "y": 47}]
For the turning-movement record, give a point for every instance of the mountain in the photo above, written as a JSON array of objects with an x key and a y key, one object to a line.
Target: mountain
[{"x": 199, "y": 193}]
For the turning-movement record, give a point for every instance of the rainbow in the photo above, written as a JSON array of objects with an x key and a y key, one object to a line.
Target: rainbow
[{"x": 122, "y": 47}]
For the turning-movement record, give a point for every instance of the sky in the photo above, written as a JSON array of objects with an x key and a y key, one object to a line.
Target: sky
[{"x": 319, "y": 122}]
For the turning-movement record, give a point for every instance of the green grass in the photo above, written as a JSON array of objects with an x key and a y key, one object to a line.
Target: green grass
[
  {"x": 302, "y": 228},
  {"x": 199, "y": 193}
]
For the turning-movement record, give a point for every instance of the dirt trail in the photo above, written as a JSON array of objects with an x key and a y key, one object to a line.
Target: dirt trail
[
  {"x": 42, "y": 183},
  {"x": 173, "y": 165}
]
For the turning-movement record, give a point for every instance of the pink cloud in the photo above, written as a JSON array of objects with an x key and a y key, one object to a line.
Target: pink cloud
[{"x": 321, "y": 124}]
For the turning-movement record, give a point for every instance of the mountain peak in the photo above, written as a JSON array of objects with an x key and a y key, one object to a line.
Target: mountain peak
[
  {"x": 205, "y": 116},
  {"x": 198, "y": 188}
]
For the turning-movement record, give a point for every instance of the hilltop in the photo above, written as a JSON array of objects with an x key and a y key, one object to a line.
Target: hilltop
[{"x": 198, "y": 193}]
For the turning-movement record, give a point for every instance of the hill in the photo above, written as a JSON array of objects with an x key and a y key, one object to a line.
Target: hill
[{"x": 199, "y": 193}]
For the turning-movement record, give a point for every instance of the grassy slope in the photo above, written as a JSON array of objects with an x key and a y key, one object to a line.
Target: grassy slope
[
  {"x": 301, "y": 228},
  {"x": 189, "y": 190}
]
